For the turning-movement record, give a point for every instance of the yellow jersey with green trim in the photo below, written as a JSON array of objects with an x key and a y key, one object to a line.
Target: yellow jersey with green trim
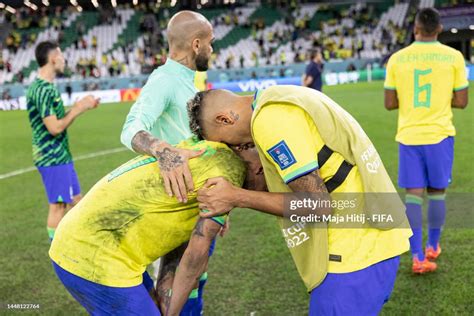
[
  {"x": 200, "y": 80},
  {"x": 425, "y": 74},
  {"x": 290, "y": 139},
  {"x": 127, "y": 220}
]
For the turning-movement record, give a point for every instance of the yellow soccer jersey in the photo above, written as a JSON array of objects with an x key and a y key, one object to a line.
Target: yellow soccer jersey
[
  {"x": 425, "y": 74},
  {"x": 200, "y": 80},
  {"x": 127, "y": 220},
  {"x": 290, "y": 139}
]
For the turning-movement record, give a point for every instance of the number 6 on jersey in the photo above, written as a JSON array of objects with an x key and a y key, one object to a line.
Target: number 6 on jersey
[{"x": 418, "y": 101}]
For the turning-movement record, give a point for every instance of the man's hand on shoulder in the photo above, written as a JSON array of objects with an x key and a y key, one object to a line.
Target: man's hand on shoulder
[
  {"x": 173, "y": 162},
  {"x": 174, "y": 167}
]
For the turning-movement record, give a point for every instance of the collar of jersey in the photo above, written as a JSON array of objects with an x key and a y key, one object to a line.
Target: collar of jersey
[
  {"x": 424, "y": 43},
  {"x": 44, "y": 81},
  {"x": 255, "y": 98},
  {"x": 175, "y": 67}
]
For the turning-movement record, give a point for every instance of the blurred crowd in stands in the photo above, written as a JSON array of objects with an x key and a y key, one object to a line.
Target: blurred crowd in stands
[
  {"x": 24, "y": 23},
  {"x": 338, "y": 37},
  {"x": 148, "y": 53}
]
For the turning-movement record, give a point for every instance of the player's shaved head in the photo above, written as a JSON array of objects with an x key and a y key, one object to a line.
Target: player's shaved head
[
  {"x": 184, "y": 27},
  {"x": 203, "y": 107},
  {"x": 222, "y": 116},
  {"x": 190, "y": 38},
  {"x": 427, "y": 21}
]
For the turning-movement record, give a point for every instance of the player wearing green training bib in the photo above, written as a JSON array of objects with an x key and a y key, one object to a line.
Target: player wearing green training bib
[
  {"x": 49, "y": 121},
  {"x": 44, "y": 100}
]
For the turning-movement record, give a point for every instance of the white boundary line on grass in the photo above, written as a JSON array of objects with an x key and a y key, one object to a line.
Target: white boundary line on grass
[{"x": 81, "y": 157}]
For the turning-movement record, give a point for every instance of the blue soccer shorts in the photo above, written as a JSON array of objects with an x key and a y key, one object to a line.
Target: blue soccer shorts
[
  {"x": 426, "y": 166},
  {"x": 100, "y": 300},
  {"x": 60, "y": 182},
  {"x": 358, "y": 293}
]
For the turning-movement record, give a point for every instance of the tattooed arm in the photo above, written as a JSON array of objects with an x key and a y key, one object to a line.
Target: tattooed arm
[
  {"x": 164, "y": 283},
  {"x": 145, "y": 143},
  {"x": 193, "y": 263},
  {"x": 173, "y": 163},
  {"x": 218, "y": 196}
]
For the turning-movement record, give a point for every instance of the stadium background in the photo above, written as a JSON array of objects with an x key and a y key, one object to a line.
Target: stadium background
[{"x": 112, "y": 46}]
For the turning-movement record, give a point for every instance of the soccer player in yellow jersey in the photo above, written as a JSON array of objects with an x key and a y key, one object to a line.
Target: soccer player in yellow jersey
[
  {"x": 424, "y": 82},
  {"x": 126, "y": 221},
  {"x": 360, "y": 265}
]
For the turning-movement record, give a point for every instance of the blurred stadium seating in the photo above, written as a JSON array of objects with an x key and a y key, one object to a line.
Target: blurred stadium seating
[
  {"x": 257, "y": 35},
  {"x": 129, "y": 40}
]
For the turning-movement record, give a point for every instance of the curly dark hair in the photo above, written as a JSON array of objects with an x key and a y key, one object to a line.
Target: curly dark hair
[{"x": 195, "y": 106}]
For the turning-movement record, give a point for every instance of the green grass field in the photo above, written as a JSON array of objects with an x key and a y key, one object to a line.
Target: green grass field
[{"x": 251, "y": 270}]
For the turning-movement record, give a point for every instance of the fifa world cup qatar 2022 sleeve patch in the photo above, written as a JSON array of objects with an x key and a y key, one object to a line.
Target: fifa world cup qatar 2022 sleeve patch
[{"x": 282, "y": 155}]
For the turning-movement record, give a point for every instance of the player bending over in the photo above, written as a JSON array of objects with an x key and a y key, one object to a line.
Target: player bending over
[
  {"x": 308, "y": 144},
  {"x": 125, "y": 222}
]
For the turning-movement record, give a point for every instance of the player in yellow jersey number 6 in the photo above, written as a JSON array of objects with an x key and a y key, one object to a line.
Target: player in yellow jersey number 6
[{"x": 424, "y": 81}]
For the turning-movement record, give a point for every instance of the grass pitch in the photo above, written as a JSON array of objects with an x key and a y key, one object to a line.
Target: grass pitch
[{"x": 251, "y": 270}]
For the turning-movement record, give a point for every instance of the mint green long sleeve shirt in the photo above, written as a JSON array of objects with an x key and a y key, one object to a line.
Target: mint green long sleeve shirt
[{"x": 161, "y": 107}]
